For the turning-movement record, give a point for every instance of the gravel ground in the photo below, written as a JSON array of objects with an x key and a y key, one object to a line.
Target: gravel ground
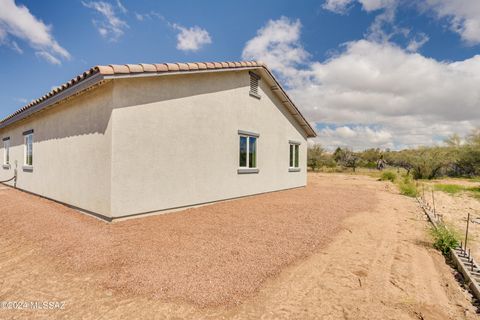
[
  {"x": 213, "y": 255},
  {"x": 328, "y": 259}
]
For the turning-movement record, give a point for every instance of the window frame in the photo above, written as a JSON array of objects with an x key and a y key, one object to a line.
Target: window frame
[
  {"x": 6, "y": 153},
  {"x": 293, "y": 156},
  {"x": 248, "y": 136},
  {"x": 26, "y": 148}
]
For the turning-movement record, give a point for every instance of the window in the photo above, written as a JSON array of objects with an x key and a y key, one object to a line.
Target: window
[
  {"x": 248, "y": 152},
  {"x": 6, "y": 151},
  {"x": 254, "y": 78},
  {"x": 294, "y": 156},
  {"x": 28, "y": 139}
]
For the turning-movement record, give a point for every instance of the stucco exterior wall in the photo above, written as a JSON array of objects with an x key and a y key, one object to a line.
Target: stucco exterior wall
[
  {"x": 175, "y": 141},
  {"x": 71, "y": 151}
]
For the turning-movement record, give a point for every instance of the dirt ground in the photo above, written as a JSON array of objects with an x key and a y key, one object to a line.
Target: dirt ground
[
  {"x": 455, "y": 208},
  {"x": 344, "y": 247}
]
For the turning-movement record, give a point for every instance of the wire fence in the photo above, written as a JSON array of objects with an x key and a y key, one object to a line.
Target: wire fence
[
  {"x": 427, "y": 197},
  {"x": 461, "y": 255}
]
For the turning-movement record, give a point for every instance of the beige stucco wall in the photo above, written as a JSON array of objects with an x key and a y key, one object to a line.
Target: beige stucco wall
[
  {"x": 176, "y": 143},
  {"x": 71, "y": 151},
  {"x": 139, "y": 145}
]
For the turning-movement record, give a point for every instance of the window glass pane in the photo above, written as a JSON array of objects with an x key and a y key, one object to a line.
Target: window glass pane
[
  {"x": 6, "y": 158},
  {"x": 252, "y": 152},
  {"x": 243, "y": 151},
  {"x": 291, "y": 156},
  {"x": 29, "y": 149},
  {"x": 296, "y": 155}
]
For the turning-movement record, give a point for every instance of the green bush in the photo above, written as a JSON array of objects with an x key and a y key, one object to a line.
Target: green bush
[
  {"x": 408, "y": 190},
  {"x": 407, "y": 187},
  {"x": 388, "y": 175},
  {"x": 444, "y": 239}
]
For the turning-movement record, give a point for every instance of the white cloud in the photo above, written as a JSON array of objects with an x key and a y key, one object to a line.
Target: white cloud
[
  {"x": 111, "y": 26},
  {"x": 47, "y": 56},
  {"x": 188, "y": 39},
  {"x": 463, "y": 16},
  {"x": 151, "y": 15},
  {"x": 338, "y": 6},
  {"x": 374, "y": 93},
  {"x": 343, "y": 6},
  {"x": 417, "y": 42},
  {"x": 278, "y": 45},
  {"x": 191, "y": 39},
  {"x": 121, "y": 7},
  {"x": 359, "y": 137},
  {"x": 17, "y": 21},
  {"x": 139, "y": 17},
  {"x": 15, "y": 47}
]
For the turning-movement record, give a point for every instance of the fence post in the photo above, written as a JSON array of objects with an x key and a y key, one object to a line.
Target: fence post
[
  {"x": 466, "y": 232},
  {"x": 433, "y": 200}
]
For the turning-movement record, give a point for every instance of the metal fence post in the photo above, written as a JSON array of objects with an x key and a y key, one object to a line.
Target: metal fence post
[
  {"x": 466, "y": 232},
  {"x": 433, "y": 200}
]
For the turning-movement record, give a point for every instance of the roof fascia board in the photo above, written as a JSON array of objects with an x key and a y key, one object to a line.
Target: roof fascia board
[{"x": 56, "y": 98}]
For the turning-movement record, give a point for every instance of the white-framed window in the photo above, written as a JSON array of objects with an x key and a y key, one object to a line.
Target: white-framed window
[
  {"x": 6, "y": 151},
  {"x": 247, "y": 161},
  {"x": 28, "y": 148},
  {"x": 294, "y": 155}
]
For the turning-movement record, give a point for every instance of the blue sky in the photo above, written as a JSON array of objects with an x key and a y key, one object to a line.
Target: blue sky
[{"x": 355, "y": 67}]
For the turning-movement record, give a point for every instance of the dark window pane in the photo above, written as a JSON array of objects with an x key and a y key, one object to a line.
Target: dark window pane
[
  {"x": 296, "y": 155},
  {"x": 243, "y": 151},
  {"x": 252, "y": 150},
  {"x": 291, "y": 155}
]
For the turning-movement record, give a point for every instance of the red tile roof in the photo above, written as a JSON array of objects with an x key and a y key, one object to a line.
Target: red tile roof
[{"x": 131, "y": 69}]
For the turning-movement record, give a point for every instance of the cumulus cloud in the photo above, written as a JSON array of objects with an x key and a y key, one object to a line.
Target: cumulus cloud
[
  {"x": 463, "y": 16},
  {"x": 361, "y": 137},
  {"x": 16, "y": 21},
  {"x": 343, "y": 6},
  {"x": 338, "y": 6},
  {"x": 374, "y": 94},
  {"x": 191, "y": 39},
  {"x": 278, "y": 45},
  {"x": 110, "y": 26}
]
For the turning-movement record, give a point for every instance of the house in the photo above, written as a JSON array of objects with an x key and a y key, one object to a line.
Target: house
[{"x": 123, "y": 140}]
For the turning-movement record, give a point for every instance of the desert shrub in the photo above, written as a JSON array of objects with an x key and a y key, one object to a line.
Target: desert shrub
[
  {"x": 407, "y": 187},
  {"x": 346, "y": 158},
  {"x": 314, "y": 157},
  {"x": 444, "y": 239},
  {"x": 388, "y": 175}
]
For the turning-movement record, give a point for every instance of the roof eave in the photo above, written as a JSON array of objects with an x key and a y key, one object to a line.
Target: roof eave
[
  {"x": 62, "y": 95},
  {"x": 99, "y": 74}
]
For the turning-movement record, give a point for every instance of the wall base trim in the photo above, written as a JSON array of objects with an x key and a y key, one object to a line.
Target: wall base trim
[{"x": 105, "y": 218}]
